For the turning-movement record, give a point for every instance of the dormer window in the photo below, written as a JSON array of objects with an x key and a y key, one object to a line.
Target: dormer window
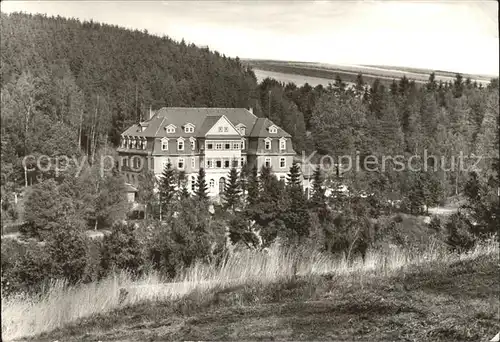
[
  {"x": 282, "y": 144},
  {"x": 180, "y": 144},
  {"x": 164, "y": 144},
  {"x": 241, "y": 128},
  {"x": 170, "y": 129},
  {"x": 267, "y": 143},
  {"x": 273, "y": 129},
  {"x": 189, "y": 128}
]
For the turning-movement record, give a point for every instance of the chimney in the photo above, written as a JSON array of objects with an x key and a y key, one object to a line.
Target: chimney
[{"x": 250, "y": 110}]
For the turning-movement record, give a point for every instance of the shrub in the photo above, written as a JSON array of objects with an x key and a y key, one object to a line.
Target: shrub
[
  {"x": 93, "y": 269},
  {"x": 240, "y": 230},
  {"x": 191, "y": 236},
  {"x": 121, "y": 249},
  {"x": 44, "y": 209},
  {"x": 32, "y": 270},
  {"x": 460, "y": 237},
  {"x": 12, "y": 250},
  {"x": 68, "y": 248}
]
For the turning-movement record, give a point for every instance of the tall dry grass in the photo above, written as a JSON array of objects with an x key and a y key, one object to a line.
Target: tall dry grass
[{"x": 24, "y": 316}]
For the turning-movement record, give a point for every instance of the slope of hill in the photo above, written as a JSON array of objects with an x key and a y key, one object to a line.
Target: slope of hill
[
  {"x": 437, "y": 301},
  {"x": 320, "y": 73},
  {"x": 71, "y": 70}
]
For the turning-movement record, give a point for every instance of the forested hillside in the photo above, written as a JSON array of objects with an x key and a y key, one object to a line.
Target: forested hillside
[{"x": 66, "y": 83}]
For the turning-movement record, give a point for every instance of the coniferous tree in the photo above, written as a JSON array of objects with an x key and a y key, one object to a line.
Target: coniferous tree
[
  {"x": 339, "y": 85},
  {"x": 318, "y": 198},
  {"x": 417, "y": 194},
  {"x": 167, "y": 190},
  {"x": 394, "y": 88},
  {"x": 360, "y": 84},
  {"x": 431, "y": 84},
  {"x": 232, "y": 190},
  {"x": 296, "y": 216},
  {"x": 201, "y": 186},
  {"x": 253, "y": 187},
  {"x": 183, "y": 186},
  {"x": 244, "y": 173},
  {"x": 404, "y": 85},
  {"x": 458, "y": 86}
]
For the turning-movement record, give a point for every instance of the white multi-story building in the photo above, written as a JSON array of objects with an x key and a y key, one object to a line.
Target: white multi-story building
[{"x": 215, "y": 139}]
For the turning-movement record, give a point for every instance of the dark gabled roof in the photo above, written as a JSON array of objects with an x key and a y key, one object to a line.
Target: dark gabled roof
[
  {"x": 203, "y": 119},
  {"x": 208, "y": 123},
  {"x": 260, "y": 129}
]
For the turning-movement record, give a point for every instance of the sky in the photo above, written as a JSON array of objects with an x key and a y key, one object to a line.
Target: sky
[{"x": 460, "y": 36}]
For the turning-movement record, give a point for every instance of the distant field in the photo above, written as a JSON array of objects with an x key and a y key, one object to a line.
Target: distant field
[
  {"x": 295, "y": 78},
  {"x": 319, "y": 73}
]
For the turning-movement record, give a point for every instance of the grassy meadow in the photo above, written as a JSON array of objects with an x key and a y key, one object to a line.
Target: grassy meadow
[{"x": 431, "y": 294}]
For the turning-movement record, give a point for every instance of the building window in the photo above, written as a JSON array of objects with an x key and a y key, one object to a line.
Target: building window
[
  {"x": 242, "y": 144},
  {"x": 227, "y": 146},
  {"x": 193, "y": 144},
  {"x": 171, "y": 129},
  {"x": 210, "y": 163},
  {"x": 188, "y": 129},
  {"x": 226, "y": 164},
  {"x": 193, "y": 162},
  {"x": 267, "y": 162},
  {"x": 210, "y": 146},
  {"x": 180, "y": 145},
  {"x": 282, "y": 163},
  {"x": 282, "y": 144},
  {"x": 242, "y": 130},
  {"x": 226, "y": 129},
  {"x": 218, "y": 146},
  {"x": 212, "y": 184},
  {"x": 273, "y": 129},
  {"x": 164, "y": 145},
  {"x": 218, "y": 164},
  {"x": 235, "y": 162},
  {"x": 268, "y": 144},
  {"x": 236, "y": 146},
  {"x": 134, "y": 142},
  {"x": 125, "y": 162},
  {"x": 180, "y": 163},
  {"x": 242, "y": 161},
  {"x": 221, "y": 129},
  {"x": 144, "y": 144}
]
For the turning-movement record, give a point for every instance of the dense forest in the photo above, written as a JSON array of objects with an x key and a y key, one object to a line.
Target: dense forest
[
  {"x": 68, "y": 84},
  {"x": 70, "y": 88}
]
